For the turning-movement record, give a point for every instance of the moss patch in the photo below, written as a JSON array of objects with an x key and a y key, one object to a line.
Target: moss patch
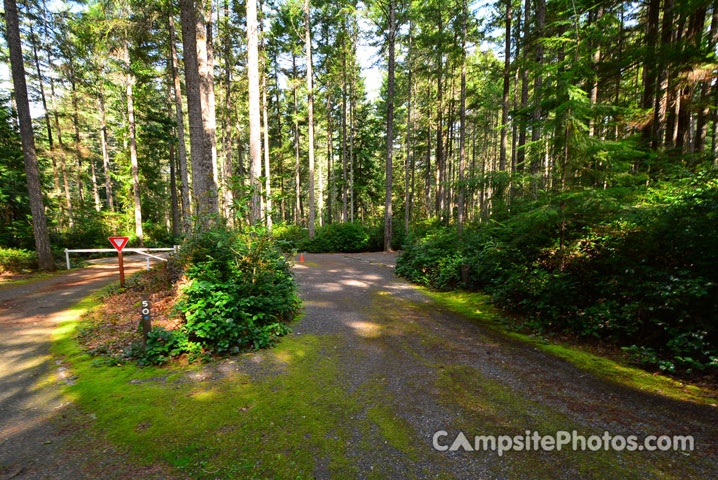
[
  {"x": 476, "y": 306},
  {"x": 282, "y": 413},
  {"x": 236, "y": 427}
]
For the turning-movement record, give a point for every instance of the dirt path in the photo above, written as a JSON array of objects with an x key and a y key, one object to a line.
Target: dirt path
[
  {"x": 41, "y": 436},
  {"x": 439, "y": 371}
]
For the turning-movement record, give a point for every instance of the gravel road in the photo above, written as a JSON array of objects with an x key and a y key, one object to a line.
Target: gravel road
[
  {"x": 41, "y": 434},
  {"x": 441, "y": 371}
]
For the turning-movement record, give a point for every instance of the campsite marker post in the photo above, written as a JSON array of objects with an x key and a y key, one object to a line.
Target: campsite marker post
[{"x": 119, "y": 243}]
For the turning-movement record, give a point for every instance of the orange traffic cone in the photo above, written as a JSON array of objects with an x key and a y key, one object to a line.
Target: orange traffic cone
[{"x": 301, "y": 257}]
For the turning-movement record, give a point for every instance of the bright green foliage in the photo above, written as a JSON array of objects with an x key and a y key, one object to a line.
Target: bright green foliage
[
  {"x": 17, "y": 260},
  {"x": 339, "y": 237},
  {"x": 290, "y": 238},
  {"x": 240, "y": 292},
  {"x": 162, "y": 344},
  {"x": 640, "y": 274}
]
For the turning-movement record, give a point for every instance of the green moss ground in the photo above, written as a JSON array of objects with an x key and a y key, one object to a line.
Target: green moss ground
[
  {"x": 477, "y": 306},
  {"x": 489, "y": 406},
  {"x": 263, "y": 426}
]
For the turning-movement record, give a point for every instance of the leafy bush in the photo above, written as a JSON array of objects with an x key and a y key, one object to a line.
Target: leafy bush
[
  {"x": 429, "y": 261},
  {"x": 17, "y": 260},
  {"x": 642, "y": 275},
  {"x": 376, "y": 236},
  {"x": 240, "y": 291},
  {"x": 290, "y": 238},
  {"x": 162, "y": 344},
  {"x": 338, "y": 237}
]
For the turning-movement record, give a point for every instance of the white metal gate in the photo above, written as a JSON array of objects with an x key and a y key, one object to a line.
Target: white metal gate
[{"x": 141, "y": 251}]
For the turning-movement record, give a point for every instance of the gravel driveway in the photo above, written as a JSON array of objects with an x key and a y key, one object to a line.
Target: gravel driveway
[
  {"x": 41, "y": 435},
  {"x": 440, "y": 371}
]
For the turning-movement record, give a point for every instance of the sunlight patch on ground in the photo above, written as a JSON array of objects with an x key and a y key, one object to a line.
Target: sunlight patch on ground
[
  {"x": 285, "y": 357},
  {"x": 354, "y": 283},
  {"x": 366, "y": 329},
  {"x": 203, "y": 395}
]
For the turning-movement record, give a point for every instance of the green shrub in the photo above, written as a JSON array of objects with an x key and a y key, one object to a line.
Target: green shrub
[
  {"x": 16, "y": 260},
  {"x": 432, "y": 261},
  {"x": 289, "y": 238},
  {"x": 338, "y": 237},
  {"x": 376, "y": 236},
  {"x": 642, "y": 274},
  {"x": 240, "y": 291}
]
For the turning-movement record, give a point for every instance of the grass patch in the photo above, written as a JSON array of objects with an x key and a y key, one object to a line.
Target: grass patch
[{"x": 476, "y": 306}]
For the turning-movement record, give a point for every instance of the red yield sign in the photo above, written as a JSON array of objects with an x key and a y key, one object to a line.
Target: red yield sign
[{"x": 119, "y": 243}]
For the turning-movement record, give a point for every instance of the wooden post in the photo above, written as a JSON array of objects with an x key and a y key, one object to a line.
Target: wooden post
[
  {"x": 122, "y": 269},
  {"x": 145, "y": 321}
]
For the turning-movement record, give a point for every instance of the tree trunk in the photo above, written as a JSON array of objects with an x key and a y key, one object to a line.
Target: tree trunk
[
  {"x": 105, "y": 152},
  {"x": 76, "y": 127},
  {"x": 427, "y": 181},
  {"x": 674, "y": 90},
  {"x": 37, "y": 208},
  {"x": 95, "y": 192},
  {"x": 538, "y": 81},
  {"x": 310, "y": 113},
  {"x": 505, "y": 101},
  {"x": 297, "y": 184},
  {"x": 129, "y": 82},
  {"x": 391, "y": 34},
  {"x": 707, "y": 90},
  {"x": 345, "y": 210},
  {"x": 255, "y": 140},
  {"x": 649, "y": 65},
  {"x": 515, "y": 106},
  {"x": 693, "y": 38},
  {"x": 409, "y": 157},
  {"x": 176, "y": 230},
  {"x": 56, "y": 118},
  {"x": 201, "y": 129},
  {"x": 280, "y": 141},
  {"x": 265, "y": 126},
  {"x": 48, "y": 126},
  {"x": 227, "y": 168},
  {"x": 462, "y": 128},
  {"x": 205, "y": 59},
  {"x": 593, "y": 97},
  {"x": 352, "y": 110},
  {"x": 439, "y": 161},
  {"x": 521, "y": 151},
  {"x": 330, "y": 166},
  {"x": 179, "y": 115},
  {"x": 661, "y": 100}
]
